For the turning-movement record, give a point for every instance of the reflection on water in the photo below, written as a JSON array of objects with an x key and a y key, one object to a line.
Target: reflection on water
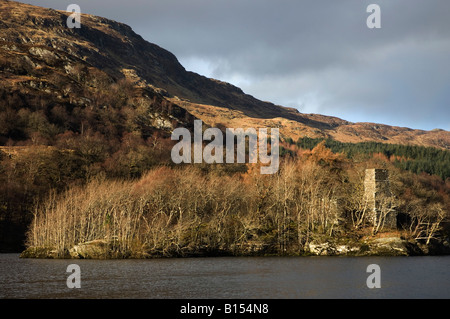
[{"x": 234, "y": 278}]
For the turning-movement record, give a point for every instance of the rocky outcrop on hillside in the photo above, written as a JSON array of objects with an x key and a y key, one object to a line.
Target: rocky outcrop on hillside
[
  {"x": 41, "y": 59},
  {"x": 37, "y": 49}
]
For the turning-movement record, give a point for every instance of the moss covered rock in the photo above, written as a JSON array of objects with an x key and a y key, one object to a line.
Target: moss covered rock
[
  {"x": 95, "y": 249},
  {"x": 39, "y": 252}
]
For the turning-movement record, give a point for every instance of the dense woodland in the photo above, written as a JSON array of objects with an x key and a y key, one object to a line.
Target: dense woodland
[
  {"x": 185, "y": 211},
  {"x": 49, "y": 143},
  {"x": 417, "y": 159},
  {"x": 85, "y": 155},
  {"x": 73, "y": 172}
]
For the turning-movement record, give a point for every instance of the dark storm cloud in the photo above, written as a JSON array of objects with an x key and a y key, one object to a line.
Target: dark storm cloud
[{"x": 318, "y": 56}]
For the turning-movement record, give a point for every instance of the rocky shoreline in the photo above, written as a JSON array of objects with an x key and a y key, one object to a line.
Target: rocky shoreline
[{"x": 387, "y": 246}]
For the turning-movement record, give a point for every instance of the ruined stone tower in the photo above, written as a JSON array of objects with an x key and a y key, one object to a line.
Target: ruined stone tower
[{"x": 378, "y": 195}]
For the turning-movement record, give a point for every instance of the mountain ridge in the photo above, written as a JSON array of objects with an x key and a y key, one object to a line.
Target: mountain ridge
[{"x": 115, "y": 49}]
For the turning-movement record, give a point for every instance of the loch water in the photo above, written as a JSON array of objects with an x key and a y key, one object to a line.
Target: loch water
[{"x": 227, "y": 277}]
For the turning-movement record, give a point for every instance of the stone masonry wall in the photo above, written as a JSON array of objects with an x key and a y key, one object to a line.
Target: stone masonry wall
[{"x": 377, "y": 193}]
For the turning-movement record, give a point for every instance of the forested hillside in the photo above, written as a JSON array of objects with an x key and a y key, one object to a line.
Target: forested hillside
[
  {"x": 417, "y": 159},
  {"x": 86, "y": 117}
]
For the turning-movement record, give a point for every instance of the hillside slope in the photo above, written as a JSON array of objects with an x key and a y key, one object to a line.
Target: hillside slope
[
  {"x": 38, "y": 52},
  {"x": 98, "y": 105}
]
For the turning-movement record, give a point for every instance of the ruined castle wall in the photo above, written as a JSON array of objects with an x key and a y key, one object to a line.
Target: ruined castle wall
[{"x": 377, "y": 191}]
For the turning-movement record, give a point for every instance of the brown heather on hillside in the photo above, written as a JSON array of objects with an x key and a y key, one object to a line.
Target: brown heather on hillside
[
  {"x": 86, "y": 116},
  {"x": 115, "y": 49}
]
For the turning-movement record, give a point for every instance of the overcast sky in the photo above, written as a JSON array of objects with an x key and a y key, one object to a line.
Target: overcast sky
[{"x": 317, "y": 56}]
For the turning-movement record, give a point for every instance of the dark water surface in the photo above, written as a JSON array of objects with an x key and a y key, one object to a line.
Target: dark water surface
[{"x": 234, "y": 278}]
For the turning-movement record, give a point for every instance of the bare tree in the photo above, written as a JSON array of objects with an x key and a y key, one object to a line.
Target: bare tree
[{"x": 385, "y": 206}]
